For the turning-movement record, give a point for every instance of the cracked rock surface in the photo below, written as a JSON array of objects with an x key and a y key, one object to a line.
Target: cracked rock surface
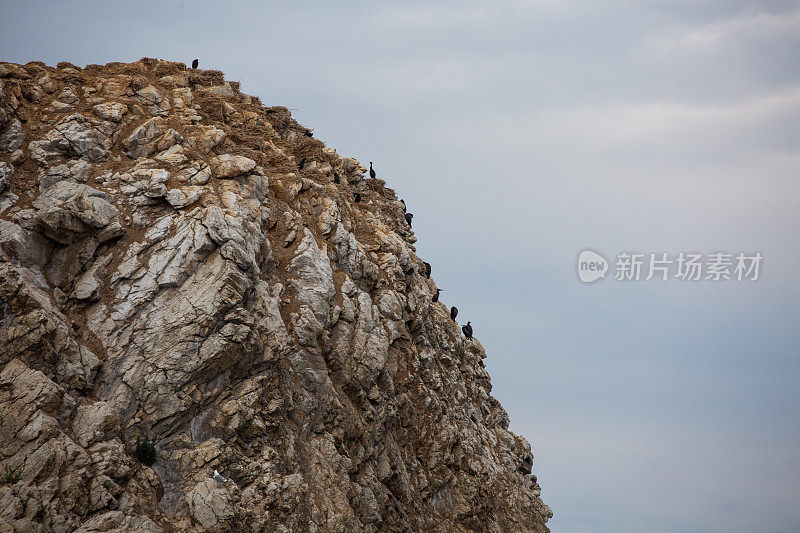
[{"x": 168, "y": 270}]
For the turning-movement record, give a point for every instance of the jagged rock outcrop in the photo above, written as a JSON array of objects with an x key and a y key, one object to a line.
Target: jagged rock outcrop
[{"x": 167, "y": 270}]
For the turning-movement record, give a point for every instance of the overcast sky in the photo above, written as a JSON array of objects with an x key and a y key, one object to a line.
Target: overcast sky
[{"x": 520, "y": 133}]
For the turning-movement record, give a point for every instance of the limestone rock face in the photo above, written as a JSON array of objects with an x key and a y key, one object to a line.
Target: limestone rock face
[{"x": 167, "y": 270}]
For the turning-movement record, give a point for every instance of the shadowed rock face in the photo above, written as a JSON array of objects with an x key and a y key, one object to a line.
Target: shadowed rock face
[{"x": 167, "y": 270}]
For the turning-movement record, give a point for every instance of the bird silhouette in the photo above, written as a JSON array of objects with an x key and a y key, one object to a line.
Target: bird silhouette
[
  {"x": 467, "y": 330},
  {"x": 404, "y": 204},
  {"x": 427, "y": 269},
  {"x": 436, "y": 296},
  {"x": 409, "y": 216},
  {"x": 302, "y": 163},
  {"x": 195, "y": 63},
  {"x": 371, "y": 171},
  {"x": 453, "y": 312},
  {"x": 337, "y": 178},
  {"x": 357, "y": 197}
]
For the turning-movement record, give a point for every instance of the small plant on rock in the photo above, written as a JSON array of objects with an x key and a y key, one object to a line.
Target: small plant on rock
[
  {"x": 145, "y": 451},
  {"x": 11, "y": 476}
]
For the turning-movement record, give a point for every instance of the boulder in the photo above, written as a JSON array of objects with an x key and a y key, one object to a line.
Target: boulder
[
  {"x": 231, "y": 166},
  {"x": 12, "y": 138},
  {"x": 76, "y": 136},
  {"x": 68, "y": 211},
  {"x": 140, "y": 143},
  {"x": 183, "y": 197},
  {"x": 113, "y": 111},
  {"x": 6, "y": 171}
]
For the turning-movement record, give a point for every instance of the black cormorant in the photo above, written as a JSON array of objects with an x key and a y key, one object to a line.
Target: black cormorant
[
  {"x": 404, "y": 204},
  {"x": 467, "y": 330},
  {"x": 302, "y": 163},
  {"x": 195, "y": 63},
  {"x": 409, "y": 216},
  {"x": 436, "y": 296},
  {"x": 357, "y": 196},
  {"x": 453, "y": 312},
  {"x": 337, "y": 178},
  {"x": 427, "y": 269},
  {"x": 371, "y": 171}
]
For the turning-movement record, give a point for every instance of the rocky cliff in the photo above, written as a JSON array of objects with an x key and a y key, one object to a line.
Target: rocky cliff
[{"x": 182, "y": 266}]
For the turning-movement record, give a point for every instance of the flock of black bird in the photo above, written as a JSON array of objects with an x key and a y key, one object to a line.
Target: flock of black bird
[{"x": 467, "y": 329}]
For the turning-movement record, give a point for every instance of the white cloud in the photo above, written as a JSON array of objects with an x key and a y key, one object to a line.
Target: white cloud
[
  {"x": 720, "y": 35},
  {"x": 626, "y": 124}
]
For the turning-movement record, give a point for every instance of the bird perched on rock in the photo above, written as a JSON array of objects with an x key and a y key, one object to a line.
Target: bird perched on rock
[
  {"x": 195, "y": 63},
  {"x": 302, "y": 163},
  {"x": 371, "y": 171},
  {"x": 427, "y": 269},
  {"x": 308, "y": 133},
  {"x": 436, "y": 296},
  {"x": 357, "y": 197},
  {"x": 218, "y": 477},
  {"x": 404, "y": 204},
  {"x": 337, "y": 178},
  {"x": 467, "y": 330},
  {"x": 453, "y": 312},
  {"x": 409, "y": 216}
]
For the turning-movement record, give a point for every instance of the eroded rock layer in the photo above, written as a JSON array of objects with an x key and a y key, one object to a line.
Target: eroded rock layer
[{"x": 179, "y": 262}]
